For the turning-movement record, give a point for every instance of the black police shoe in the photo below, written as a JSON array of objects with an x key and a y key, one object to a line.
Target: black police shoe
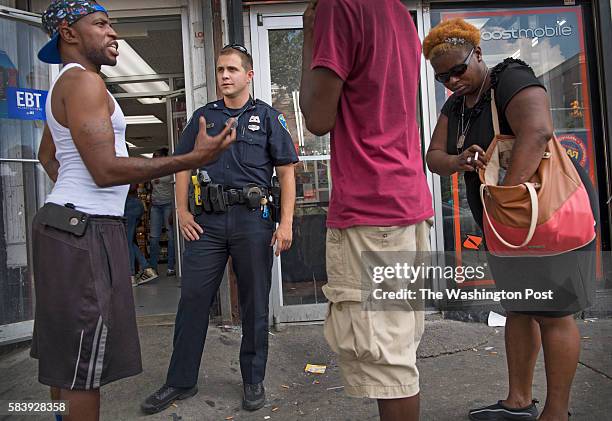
[
  {"x": 164, "y": 397},
  {"x": 254, "y": 396},
  {"x": 501, "y": 412}
]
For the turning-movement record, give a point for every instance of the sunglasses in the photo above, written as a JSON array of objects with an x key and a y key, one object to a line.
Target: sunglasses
[
  {"x": 456, "y": 71},
  {"x": 237, "y": 47}
]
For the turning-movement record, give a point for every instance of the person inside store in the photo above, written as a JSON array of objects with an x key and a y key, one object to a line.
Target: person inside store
[
  {"x": 161, "y": 213},
  {"x": 463, "y": 133},
  {"x": 360, "y": 78},
  {"x": 133, "y": 212},
  {"x": 85, "y": 333},
  {"x": 231, "y": 216}
]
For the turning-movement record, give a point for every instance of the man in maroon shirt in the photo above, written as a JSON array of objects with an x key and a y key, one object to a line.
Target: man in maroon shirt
[{"x": 360, "y": 75}]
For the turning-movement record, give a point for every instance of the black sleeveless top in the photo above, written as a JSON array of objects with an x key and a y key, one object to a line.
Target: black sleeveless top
[{"x": 507, "y": 78}]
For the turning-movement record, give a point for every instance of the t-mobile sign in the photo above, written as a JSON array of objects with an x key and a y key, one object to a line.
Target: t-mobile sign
[{"x": 26, "y": 104}]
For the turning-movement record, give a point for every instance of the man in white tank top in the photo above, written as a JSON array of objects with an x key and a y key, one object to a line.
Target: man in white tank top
[{"x": 85, "y": 332}]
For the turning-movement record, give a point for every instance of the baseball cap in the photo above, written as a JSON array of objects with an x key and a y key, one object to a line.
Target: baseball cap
[{"x": 59, "y": 11}]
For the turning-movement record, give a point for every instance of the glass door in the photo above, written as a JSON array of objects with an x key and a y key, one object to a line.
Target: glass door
[
  {"x": 552, "y": 41},
  {"x": 300, "y": 273},
  {"x": 24, "y": 82}
]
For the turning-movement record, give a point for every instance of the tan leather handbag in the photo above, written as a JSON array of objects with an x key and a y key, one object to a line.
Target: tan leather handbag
[{"x": 548, "y": 215}]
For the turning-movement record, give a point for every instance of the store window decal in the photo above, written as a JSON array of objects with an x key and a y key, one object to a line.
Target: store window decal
[
  {"x": 552, "y": 41},
  {"x": 26, "y": 104}
]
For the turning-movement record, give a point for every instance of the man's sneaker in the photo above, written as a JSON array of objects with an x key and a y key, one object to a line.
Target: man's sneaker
[
  {"x": 147, "y": 276},
  {"x": 254, "y": 396},
  {"x": 170, "y": 272},
  {"x": 164, "y": 397},
  {"x": 501, "y": 412}
]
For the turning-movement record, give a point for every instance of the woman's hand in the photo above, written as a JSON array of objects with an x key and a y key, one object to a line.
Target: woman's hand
[{"x": 471, "y": 159}]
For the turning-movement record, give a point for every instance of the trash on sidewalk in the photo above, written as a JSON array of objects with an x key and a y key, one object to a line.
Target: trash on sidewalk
[
  {"x": 229, "y": 418},
  {"x": 267, "y": 417},
  {"x": 275, "y": 408},
  {"x": 284, "y": 386},
  {"x": 335, "y": 388},
  {"x": 315, "y": 369},
  {"x": 488, "y": 348},
  {"x": 496, "y": 320},
  {"x": 229, "y": 328}
]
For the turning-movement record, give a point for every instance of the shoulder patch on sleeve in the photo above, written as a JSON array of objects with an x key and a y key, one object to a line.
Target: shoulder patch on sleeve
[{"x": 283, "y": 122}]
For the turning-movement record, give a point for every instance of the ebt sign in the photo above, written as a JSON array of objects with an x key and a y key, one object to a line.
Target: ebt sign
[
  {"x": 26, "y": 104},
  {"x": 546, "y": 31}
]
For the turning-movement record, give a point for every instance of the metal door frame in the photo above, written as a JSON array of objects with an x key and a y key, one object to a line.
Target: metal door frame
[{"x": 22, "y": 331}]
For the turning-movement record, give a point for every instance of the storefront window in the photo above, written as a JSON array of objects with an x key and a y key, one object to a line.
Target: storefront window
[
  {"x": 303, "y": 266},
  {"x": 552, "y": 42},
  {"x": 23, "y": 84}
]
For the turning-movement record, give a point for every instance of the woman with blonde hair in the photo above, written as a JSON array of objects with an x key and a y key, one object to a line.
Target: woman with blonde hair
[{"x": 462, "y": 135}]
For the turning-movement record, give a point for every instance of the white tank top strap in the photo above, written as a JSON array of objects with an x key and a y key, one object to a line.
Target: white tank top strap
[{"x": 68, "y": 67}]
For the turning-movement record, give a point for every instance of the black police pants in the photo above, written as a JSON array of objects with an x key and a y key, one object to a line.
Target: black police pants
[{"x": 244, "y": 235}]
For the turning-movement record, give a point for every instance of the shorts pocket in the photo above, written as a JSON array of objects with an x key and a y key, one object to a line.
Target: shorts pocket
[
  {"x": 349, "y": 330},
  {"x": 62, "y": 275}
]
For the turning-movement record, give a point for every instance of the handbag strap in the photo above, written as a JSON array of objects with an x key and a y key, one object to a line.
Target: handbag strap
[
  {"x": 494, "y": 113},
  {"x": 534, "y": 216}
]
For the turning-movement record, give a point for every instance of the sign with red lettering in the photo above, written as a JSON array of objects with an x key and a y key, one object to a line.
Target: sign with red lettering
[{"x": 575, "y": 148}]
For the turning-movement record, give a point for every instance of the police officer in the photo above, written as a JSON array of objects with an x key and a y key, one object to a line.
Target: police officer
[{"x": 246, "y": 234}]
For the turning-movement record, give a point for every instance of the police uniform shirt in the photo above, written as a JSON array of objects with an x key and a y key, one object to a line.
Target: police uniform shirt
[{"x": 262, "y": 142}]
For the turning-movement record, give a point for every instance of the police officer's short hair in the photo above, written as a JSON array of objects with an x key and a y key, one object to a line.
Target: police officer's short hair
[{"x": 242, "y": 52}]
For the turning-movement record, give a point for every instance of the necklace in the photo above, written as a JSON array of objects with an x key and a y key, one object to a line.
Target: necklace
[{"x": 461, "y": 133}]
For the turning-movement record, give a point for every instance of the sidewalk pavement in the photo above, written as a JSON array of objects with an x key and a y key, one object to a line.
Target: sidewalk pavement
[{"x": 462, "y": 365}]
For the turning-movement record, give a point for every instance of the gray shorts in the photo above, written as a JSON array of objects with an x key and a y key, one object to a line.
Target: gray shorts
[{"x": 85, "y": 332}]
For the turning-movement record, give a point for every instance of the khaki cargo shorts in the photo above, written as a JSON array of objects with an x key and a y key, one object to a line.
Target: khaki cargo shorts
[{"x": 376, "y": 349}]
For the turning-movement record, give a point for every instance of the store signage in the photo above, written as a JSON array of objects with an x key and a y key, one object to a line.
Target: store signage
[
  {"x": 198, "y": 34},
  {"x": 575, "y": 148},
  {"x": 546, "y": 31},
  {"x": 26, "y": 104}
]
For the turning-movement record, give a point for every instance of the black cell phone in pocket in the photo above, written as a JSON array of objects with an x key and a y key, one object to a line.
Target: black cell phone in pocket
[{"x": 63, "y": 218}]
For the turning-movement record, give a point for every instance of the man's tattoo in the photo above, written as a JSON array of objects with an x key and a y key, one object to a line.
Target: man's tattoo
[{"x": 98, "y": 127}]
